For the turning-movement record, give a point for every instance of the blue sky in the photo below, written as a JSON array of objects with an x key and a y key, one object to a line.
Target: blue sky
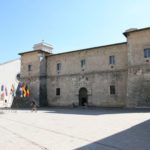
[{"x": 67, "y": 24}]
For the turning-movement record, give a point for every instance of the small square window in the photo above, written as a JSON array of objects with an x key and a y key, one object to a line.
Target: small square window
[
  {"x": 58, "y": 91},
  {"x": 112, "y": 60},
  {"x": 29, "y": 67},
  {"x": 112, "y": 90}
]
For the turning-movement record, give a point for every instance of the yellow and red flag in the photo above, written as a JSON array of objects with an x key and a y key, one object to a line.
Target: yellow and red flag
[
  {"x": 24, "y": 90},
  {"x": 27, "y": 91}
]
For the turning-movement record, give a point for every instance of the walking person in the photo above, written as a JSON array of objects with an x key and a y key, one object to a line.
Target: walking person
[
  {"x": 5, "y": 103},
  {"x": 34, "y": 106}
]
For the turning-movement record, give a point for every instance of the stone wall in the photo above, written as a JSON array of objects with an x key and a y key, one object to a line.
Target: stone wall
[
  {"x": 138, "y": 88},
  {"x": 36, "y": 77},
  {"x": 32, "y": 77},
  {"x": 97, "y": 84},
  {"x": 130, "y": 74},
  {"x": 96, "y": 76},
  {"x": 33, "y": 60},
  {"x": 97, "y": 59}
]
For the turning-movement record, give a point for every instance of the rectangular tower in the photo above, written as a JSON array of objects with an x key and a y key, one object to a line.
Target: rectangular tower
[
  {"x": 34, "y": 72},
  {"x": 138, "y": 89}
]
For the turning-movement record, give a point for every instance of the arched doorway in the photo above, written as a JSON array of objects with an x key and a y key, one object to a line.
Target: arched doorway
[{"x": 83, "y": 97}]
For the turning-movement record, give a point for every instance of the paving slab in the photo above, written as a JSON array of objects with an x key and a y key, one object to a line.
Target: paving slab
[{"x": 75, "y": 129}]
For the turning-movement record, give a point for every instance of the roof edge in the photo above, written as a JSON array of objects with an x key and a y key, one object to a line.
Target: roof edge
[
  {"x": 137, "y": 30},
  {"x": 39, "y": 50},
  {"x": 9, "y": 61},
  {"x": 79, "y": 50}
]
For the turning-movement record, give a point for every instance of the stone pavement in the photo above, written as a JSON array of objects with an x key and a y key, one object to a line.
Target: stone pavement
[{"x": 75, "y": 129}]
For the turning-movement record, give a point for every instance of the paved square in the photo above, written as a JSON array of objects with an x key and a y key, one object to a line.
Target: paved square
[{"x": 75, "y": 129}]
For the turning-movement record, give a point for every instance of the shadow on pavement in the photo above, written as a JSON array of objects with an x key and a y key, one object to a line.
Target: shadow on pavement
[
  {"x": 81, "y": 110},
  {"x": 134, "y": 138},
  {"x": 94, "y": 111}
]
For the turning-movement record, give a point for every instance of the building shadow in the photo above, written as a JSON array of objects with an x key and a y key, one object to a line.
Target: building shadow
[
  {"x": 93, "y": 110},
  {"x": 134, "y": 138}
]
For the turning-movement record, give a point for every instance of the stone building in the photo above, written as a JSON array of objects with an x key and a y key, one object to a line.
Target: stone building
[{"x": 115, "y": 75}]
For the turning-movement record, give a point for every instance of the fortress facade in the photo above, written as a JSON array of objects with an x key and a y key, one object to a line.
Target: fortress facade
[{"x": 115, "y": 75}]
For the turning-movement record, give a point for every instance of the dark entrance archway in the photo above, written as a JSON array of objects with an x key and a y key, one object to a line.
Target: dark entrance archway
[{"x": 83, "y": 97}]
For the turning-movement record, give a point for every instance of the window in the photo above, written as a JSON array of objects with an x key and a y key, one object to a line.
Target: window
[
  {"x": 112, "y": 90},
  {"x": 57, "y": 91},
  {"x": 29, "y": 67},
  {"x": 82, "y": 63},
  {"x": 111, "y": 59},
  {"x": 147, "y": 52},
  {"x": 58, "y": 66}
]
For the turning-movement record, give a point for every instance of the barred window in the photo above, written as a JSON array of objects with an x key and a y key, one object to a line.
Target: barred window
[
  {"x": 58, "y": 91},
  {"x": 111, "y": 59},
  {"x": 58, "y": 66},
  {"x": 147, "y": 52},
  {"x": 82, "y": 63},
  {"x": 30, "y": 67},
  {"x": 112, "y": 90}
]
